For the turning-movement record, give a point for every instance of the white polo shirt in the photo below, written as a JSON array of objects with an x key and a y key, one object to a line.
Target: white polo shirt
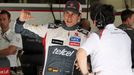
[
  {"x": 110, "y": 52},
  {"x": 11, "y": 38}
]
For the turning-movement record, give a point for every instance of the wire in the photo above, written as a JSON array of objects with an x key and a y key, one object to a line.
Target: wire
[
  {"x": 60, "y": 8},
  {"x": 51, "y": 8},
  {"x": 87, "y": 8}
]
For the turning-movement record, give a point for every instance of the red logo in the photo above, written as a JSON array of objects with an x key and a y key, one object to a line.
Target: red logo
[
  {"x": 5, "y": 71},
  {"x": 74, "y": 44}
]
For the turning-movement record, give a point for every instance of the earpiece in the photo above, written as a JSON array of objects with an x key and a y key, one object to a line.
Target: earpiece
[{"x": 100, "y": 20}]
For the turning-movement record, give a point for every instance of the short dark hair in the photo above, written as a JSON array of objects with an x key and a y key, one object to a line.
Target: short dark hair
[
  {"x": 5, "y": 12},
  {"x": 106, "y": 10},
  {"x": 126, "y": 14}
]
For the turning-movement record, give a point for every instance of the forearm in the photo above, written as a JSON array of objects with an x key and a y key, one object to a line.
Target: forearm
[
  {"x": 8, "y": 51},
  {"x": 82, "y": 61},
  {"x": 4, "y": 52},
  {"x": 19, "y": 26},
  {"x": 25, "y": 32}
]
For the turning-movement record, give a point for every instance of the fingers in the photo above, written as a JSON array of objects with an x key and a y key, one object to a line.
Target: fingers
[
  {"x": 77, "y": 66},
  {"x": 25, "y": 15}
]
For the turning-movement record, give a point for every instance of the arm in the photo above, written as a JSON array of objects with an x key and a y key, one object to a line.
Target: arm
[
  {"x": 82, "y": 61},
  {"x": 33, "y": 31},
  {"x": 8, "y": 51},
  {"x": 25, "y": 32},
  {"x": 14, "y": 44}
]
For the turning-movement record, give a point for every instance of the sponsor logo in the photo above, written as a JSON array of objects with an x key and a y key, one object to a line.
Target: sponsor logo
[
  {"x": 4, "y": 71},
  {"x": 53, "y": 69},
  {"x": 55, "y": 41},
  {"x": 63, "y": 52},
  {"x": 74, "y": 44},
  {"x": 74, "y": 41}
]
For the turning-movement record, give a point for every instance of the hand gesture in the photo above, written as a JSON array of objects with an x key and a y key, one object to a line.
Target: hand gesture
[
  {"x": 77, "y": 66},
  {"x": 25, "y": 15}
]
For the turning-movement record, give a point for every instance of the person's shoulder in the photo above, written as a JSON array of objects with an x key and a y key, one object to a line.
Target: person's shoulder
[
  {"x": 118, "y": 31},
  {"x": 13, "y": 33},
  {"x": 53, "y": 26},
  {"x": 125, "y": 27},
  {"x": 121, "y": 25},
  {"x": 93, "y": 35},
  {"x": 83, "y": 31}
]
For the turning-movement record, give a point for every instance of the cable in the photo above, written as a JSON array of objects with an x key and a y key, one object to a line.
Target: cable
[
  {"x": 51, "y": 8},
  {"x": 87, "y": 8}
]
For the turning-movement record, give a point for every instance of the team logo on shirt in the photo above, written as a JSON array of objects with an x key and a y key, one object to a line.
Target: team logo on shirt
[
  {"x": 75, "y": 41},
  {"x": 56, "y": 41},
  {"x": 63, "y": 52}
]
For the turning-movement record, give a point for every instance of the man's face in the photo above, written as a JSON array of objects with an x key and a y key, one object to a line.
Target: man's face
[
  {"x": 4, "y": 21},
  {"x": 131, "y": 20},
  {"x": 71, "y": 18}
]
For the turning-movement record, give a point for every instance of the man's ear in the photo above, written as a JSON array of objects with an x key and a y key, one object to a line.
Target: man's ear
[{"x": 79, "y": 17}]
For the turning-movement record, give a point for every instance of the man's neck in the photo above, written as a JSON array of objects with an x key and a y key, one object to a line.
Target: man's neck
[{"x": 4, "y": 30}]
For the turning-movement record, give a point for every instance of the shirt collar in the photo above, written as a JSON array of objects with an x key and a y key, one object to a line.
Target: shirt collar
[
  {"x": 70, "y": 28},
  {"x": 6, "y": 33}
]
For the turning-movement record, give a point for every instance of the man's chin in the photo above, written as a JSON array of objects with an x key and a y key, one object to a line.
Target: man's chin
[{"x": 69, "y": 25}]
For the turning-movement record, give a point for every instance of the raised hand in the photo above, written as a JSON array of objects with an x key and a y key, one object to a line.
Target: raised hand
[{"x": 25, "y": 15}]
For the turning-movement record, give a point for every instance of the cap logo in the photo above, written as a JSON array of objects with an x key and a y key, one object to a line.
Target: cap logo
[{"x": 71, "y": 5}]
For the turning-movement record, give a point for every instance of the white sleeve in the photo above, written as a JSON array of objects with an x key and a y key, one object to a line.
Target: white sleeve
[
  {"x": 17, "y": 41},
  {"x": 90, "y": 44},
  {"x": 37, "y": 29}
]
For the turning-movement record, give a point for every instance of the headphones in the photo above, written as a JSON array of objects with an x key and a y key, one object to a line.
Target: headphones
[{"x": 100, "y": 20}]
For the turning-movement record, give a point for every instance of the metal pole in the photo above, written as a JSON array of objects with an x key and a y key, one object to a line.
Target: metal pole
[
  {"x": 20, "y": 1},
  {"x": 24, "y": 1},
  {"x": 87, "y": 8}
]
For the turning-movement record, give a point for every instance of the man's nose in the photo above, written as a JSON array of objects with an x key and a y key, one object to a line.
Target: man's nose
[{"x": 70, "y": 15}]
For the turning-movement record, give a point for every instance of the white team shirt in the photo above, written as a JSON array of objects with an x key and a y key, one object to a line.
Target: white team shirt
[
  {"x": 11, "y": 38},
  {"x": 111, "y": 52}
]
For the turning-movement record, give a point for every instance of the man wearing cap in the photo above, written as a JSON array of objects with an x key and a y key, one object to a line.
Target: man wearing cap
[{"x": 60, "y": 41}]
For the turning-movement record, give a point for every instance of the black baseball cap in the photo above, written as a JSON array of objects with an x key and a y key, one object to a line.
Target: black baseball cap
[{"x": 73, "y": 6}]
